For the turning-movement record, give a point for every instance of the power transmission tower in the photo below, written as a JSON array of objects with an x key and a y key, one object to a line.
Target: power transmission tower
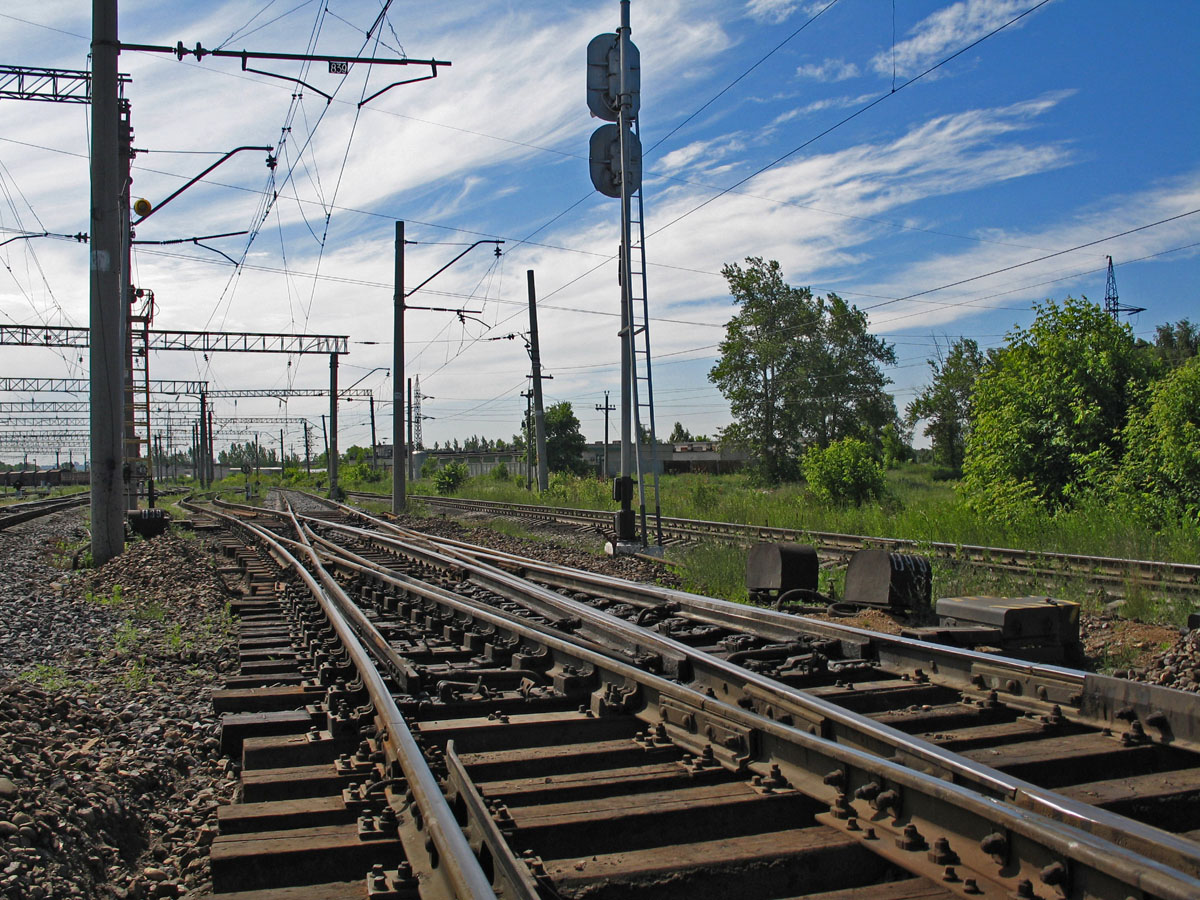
[{"x": 1112, "y": 304}]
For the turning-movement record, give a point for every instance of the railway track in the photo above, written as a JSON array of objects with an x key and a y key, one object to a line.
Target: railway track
[
  {"x": 16, "y": 513},
  {"x": 1113, "y": 574},
  {"x": 577, "y": 753}
]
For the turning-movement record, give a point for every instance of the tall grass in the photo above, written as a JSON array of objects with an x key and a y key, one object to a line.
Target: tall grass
[{"x": 918, "y": 507}]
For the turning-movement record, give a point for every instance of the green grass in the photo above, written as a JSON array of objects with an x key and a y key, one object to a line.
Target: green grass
[
  {"x": 920, "y": 506},
  {"x": 116, "y": 598},
  {"x": 48, "y": 677},
  {"x": 138, "y": 676},
  {"x": 714, "y": 570},
  {"x": 151, "y": 611},
  {"x": 126, "y": 638}
]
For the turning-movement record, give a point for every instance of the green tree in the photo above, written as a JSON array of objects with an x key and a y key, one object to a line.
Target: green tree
[
  {"x": 564, "y": 441},
  {"x": 679, "y": 435},
  {"x": 945, "y": 404},
  {"x": 797, "y": 369},
  {"x": 1161, "y": 468},
  {"x": 1175, "y": 344},
  {"x": 1049, "y": 407},
  {"x": 895, "y": 444},
  {"x": 845, "y": 472}
]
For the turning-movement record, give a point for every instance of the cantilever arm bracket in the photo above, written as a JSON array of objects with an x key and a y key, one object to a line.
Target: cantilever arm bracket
[
  {"x": 384, "y": 90},
  {"x": 197, "y": 240},
  {"x": 302, "y": 83},
  {"x": 231, "y": 153}
]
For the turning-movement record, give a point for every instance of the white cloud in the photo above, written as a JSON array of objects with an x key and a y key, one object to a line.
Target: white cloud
[
  {"x": 946, "y": 30},
  {"x": 843, "y": 102},
  {"x": 772, "y": 11},
  {"x": 1037, "y": 281},
  {"x": 829, "y": 70}
]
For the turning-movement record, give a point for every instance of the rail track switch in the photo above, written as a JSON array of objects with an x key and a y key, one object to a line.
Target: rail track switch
[
  {"x": 149, "y": 522},
  {"x": 896, "y": 581},
  {"x": 773, "y": 570}
]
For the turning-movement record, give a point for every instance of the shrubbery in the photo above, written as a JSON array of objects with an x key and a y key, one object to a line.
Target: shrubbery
[
  {"x": 1048, "y": 410},
  {"x": 450, "y": 478},
  {"x": 845, "y": 472},
  {"x": 1160, "y": 473}
]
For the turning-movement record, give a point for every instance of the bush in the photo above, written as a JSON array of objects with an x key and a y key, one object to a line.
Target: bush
[
  {"x": 500, "y": 472},
  {"x": 429, "y": 467},
  {"x": 450, "y": 478},
  {"x": 1161, "y": 467},
  {"x": 1048, "y": 410},
  {"x": 846, "y": 472}
]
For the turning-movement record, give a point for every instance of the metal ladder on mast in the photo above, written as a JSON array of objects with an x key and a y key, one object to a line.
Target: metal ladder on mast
[
  {"x": 645, "y": 440},
  {"x": 138, "y": 450}
]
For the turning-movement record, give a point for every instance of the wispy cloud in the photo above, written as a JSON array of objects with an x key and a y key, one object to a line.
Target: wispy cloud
[
  {"x": 843, "y": 102},
  {"x": 773, "y": 11},
  {"x": 1042, "y": 279},
  {"x": 829, "y": 70},
  {"x": 946, "y": 29}
]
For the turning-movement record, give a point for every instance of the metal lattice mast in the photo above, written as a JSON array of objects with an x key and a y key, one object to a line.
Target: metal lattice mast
[
  {"x": 416, "y": 413},
  {"x": 1112, "y": 303}
]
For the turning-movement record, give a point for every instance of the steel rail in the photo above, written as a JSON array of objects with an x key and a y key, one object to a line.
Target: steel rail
[
  {"x": 16, "y": 513},
  {"x": 450, "y": 847},
  {"x": 1174, "y": 575},
  {"x": 1032, "y": 847},
  {"x": 822, "y": 716}
]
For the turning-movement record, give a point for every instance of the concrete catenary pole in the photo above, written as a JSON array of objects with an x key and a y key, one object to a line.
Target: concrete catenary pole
[
  {"x": 333, "y": 426},
  {"x": 107, "y": 319},
  {"x": 399, "y": 448},
  {"x": 539, "y": 413}
]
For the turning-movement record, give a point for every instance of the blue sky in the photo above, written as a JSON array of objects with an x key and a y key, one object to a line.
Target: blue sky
[{"x": 1076, "y": 123}]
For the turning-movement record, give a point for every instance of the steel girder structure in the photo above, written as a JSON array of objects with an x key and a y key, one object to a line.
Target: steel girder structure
[{"x": 199, "y": 341}]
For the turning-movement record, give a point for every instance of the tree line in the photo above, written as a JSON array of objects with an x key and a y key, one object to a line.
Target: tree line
[{"x": 1072, "y": 407}]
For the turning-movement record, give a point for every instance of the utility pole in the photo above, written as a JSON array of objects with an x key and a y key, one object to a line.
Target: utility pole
[
  {"x": 528, "y": 395},
  {"x": 202, "y": 468},
  {"x": 399, "y": 448},
  {"x": 539, "y": 413},
  {"x": 107, "y": 318},
  {"x": 399, "y": 298},
  {"x": 325, "y": 438},
  {"x": 374, "y": 442},
  {"x": 606, "y": 409},
  {"x": 307, "y": 451},
  {"x": 333, "y": 427},
  {"x": 210, "y": 458},
  {"x": 282, "y": 453}
]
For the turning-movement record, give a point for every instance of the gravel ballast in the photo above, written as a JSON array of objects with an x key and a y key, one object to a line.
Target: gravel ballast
[{"x": 110, "y": 771}]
